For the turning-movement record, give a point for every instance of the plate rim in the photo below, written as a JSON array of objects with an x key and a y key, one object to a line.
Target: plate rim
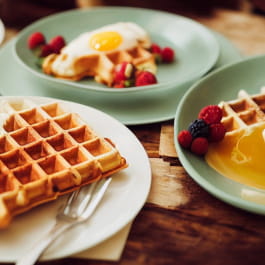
[
  {"x": 130, "y": 90},
  {"x": 140, "y": 203},
  {"x": 217, "y": 192}
]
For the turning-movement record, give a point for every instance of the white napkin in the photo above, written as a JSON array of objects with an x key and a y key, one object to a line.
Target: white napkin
[{"x": 111, "y": 249}]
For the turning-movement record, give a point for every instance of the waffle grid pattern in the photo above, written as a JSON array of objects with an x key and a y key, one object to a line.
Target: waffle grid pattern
[
  {"x": 45, "y": 152},
  {"x": 247, "y": 110}
]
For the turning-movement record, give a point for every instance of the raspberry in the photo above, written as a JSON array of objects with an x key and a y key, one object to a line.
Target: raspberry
[
  {"x": 211, "y": 114},
  {"x": 45, "y": 50},
  {"x": 144, "y": 78},
  {"x": 156, "y": 50},
  {"x": 185, "y": 138},
  {"x": 35, "y": 40},
  {"x": 57, "y": 43},
  {"x": 167, "y": 54},
  {"x": 199, "y": 128},
  {"x": 216, "y": 132},
  {"x": 199, "y": 146}
]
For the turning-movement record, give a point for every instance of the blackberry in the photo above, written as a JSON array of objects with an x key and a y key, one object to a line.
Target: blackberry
[{"x": 199, "y": 128}]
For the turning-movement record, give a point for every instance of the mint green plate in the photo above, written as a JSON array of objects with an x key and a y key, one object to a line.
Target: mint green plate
[
  {"x": 149, "y": 106},
  {"x": 196, "y": 49},
  {"x": 223, "y": 84}
]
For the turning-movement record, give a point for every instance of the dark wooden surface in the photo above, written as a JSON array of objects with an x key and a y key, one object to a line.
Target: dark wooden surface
[{"x": 180, "y": 222}]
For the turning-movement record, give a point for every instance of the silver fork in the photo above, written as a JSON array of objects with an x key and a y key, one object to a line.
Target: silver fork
[{"x": 78, "y": 208}]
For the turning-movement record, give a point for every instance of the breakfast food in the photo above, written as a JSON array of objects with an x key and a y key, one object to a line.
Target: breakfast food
[
  {"x": 97, "y": 52},
  {"x": 240, "y": 155},
  {"x": 47, "y": 151},
  {"x": 101, "y": 53},
  {"x": 207, "y": 128}
]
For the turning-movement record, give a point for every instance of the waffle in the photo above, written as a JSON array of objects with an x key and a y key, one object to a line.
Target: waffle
[
  {"x": 100, "y": 66},
  {"x": 245, "y": 111},
  {"x": 47, "y": 151}
]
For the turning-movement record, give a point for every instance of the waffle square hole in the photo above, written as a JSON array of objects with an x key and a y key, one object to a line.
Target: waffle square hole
[
  {"x": 74, "y": 156},
  {"x": 52, "y": 164},
  {"x": 82, "y": 134},
  {"x": 24, "y": 136},
  {"x": 6, "y": 184},
  {"x": 60, "y": 142},
  {"x": 97, "y": 147},
  {"x": 19, "y": 105},
  {"x": 53, "y": 110},
  {"x": 5, "y": 144},
  {"x": 32, "y": 116},
  {"x": 27, "y": 174},
  {"x": 46, "y": 129},
  {"x": 37, "y": 150},
  {"x": 13, "y": 159},
  {"x": 68, "y": 121},
  {"x": 13, "y": 123}
]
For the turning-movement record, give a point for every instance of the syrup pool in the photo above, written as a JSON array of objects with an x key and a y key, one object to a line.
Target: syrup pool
[{"x": 240, "y": 156}]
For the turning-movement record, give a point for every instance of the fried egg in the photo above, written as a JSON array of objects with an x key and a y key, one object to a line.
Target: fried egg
[
  {"x": 240, "y": 156},
  {"x": 110, "y": 38}
]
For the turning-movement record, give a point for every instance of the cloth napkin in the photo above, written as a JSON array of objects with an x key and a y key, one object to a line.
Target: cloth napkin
[{"x": 111, "y": 249}]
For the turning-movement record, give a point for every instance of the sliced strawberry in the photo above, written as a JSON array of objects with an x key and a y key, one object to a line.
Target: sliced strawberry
[{"x": 144, "y": 78}]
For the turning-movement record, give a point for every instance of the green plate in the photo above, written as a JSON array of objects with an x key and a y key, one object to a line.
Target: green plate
[
  {"x": 223, "y": 84},
  {"x": 196, "y": 49},
  {"x": 153, "y": 106}
]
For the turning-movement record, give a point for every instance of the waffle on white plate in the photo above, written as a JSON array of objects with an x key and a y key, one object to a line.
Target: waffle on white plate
[
  {"x": 96, "y": 53},
  {"x": 47, "y": 151}
]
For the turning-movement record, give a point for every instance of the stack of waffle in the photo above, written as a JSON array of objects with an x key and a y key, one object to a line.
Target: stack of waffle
[
  {"x": 47, "y": 151},
  {"x": 246, "y": 111}
]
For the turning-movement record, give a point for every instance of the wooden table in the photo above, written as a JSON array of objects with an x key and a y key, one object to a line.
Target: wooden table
[{"x": 180, "y": 222}]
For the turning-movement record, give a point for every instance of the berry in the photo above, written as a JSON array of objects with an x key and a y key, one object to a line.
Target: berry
[
  {"x": 45, "y": 50},
  {"x": 199, "y": 128},
  {"x": 167, "y": 54},
  {"x": 123, "y": 71},
  {"x": 216, "y": 132},
  {"x": 185, "y": 138},
  {"x": 199, "y": 146},
  {"x": 211, "y": 114},
  {"x": 57, "y": 43},
  {"x": 35, "y": 40},
  {"x": 156, "y": 50},
  {"x": 144, "y": 78}
]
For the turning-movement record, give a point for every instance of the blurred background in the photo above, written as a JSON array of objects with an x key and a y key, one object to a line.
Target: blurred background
[{"x": 19, "y": 13}]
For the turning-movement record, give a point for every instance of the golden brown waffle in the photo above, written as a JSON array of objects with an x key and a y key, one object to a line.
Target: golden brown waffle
[
  {"x": 246, "y": 111},
  {"x": 100, "y": 66},
  {"x": 47, "y": 151}
]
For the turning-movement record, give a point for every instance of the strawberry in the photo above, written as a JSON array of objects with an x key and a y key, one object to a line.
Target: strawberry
[
  {"x": 144, "y": 78},
  {"x": 45, "y": 50},
  {"x": 211, "y": 114},
  {"x": 167, "y": 54},
  {"x": 199, "y": 146},
  {"x": 216, "y": 132},
  {"x": 123, "y": 71},
  {"x": 35, "y": 39},
  {"x": 184, "y": 138},
  {"x": 57, "y": 43}
]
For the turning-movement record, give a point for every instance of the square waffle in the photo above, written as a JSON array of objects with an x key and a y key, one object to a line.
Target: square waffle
[
  {"x": 47, "y": 151},
  {"x": 245, "y": 111}
]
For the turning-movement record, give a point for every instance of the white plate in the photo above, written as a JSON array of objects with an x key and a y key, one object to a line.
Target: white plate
[
  {"x": 2, "y": 31},
  {"x": 121, "y": 203}
]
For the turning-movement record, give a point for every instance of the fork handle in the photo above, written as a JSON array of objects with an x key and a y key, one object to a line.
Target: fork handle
[{"x": 33, "y": 255}]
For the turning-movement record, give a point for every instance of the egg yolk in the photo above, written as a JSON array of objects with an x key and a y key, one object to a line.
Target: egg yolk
[
  {"x": 105, "y": 41},
  {"x": 240, "y": 156}
]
